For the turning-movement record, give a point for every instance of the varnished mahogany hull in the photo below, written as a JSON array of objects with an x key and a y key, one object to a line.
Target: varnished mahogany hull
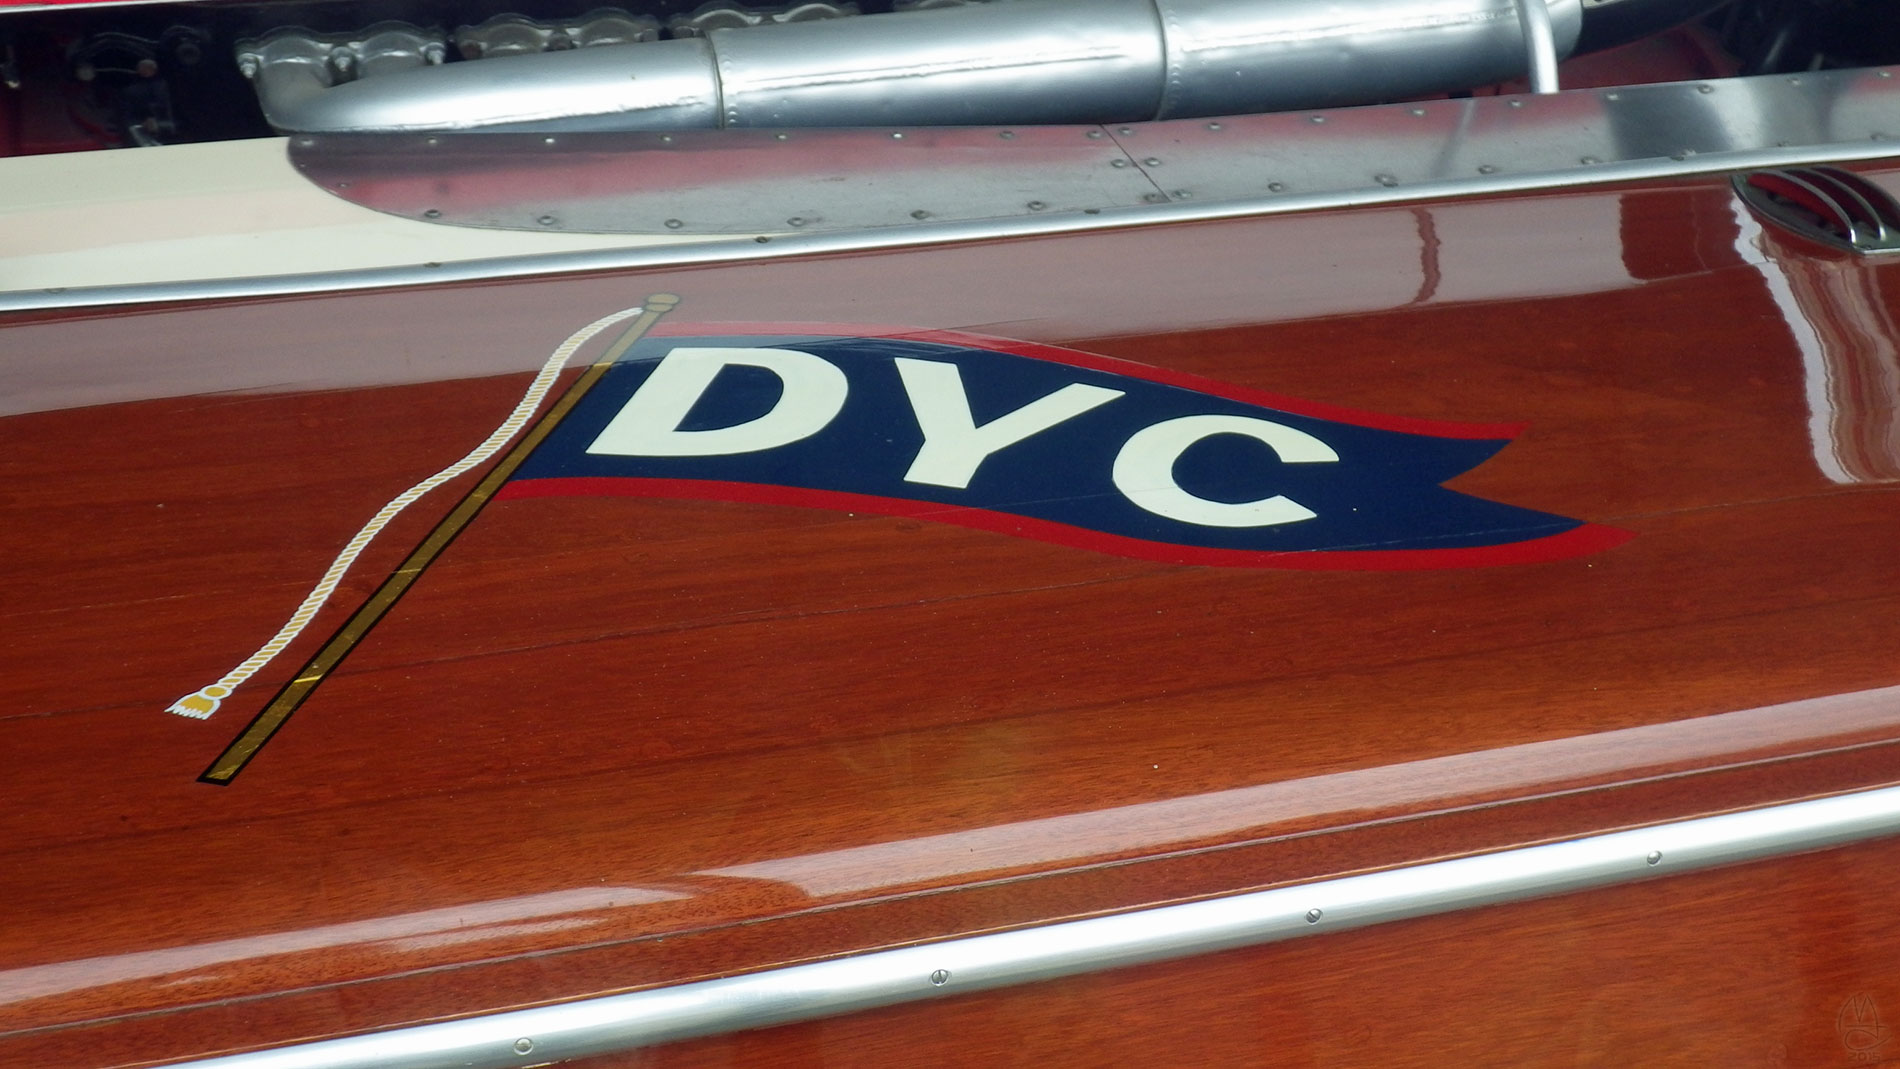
[{"x": 613, "y": 743}]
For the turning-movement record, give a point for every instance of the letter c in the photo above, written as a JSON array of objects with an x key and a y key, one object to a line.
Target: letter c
[{"x": 1144, "y": 470}]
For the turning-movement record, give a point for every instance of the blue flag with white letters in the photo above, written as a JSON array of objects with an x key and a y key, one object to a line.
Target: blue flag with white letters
[{"x": 1043, "y": 443}]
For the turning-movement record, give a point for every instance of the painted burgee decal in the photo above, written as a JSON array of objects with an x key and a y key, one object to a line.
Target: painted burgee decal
[
  {"x": 1040, "y": 442},
  {"x": 1028, "y": 440}
]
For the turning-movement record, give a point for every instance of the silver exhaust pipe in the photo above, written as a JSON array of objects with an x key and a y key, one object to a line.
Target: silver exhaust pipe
[{"x": 1006, "y": 62}]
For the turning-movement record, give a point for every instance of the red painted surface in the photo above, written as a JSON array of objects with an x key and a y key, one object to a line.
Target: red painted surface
[{"x": 610, "y": 743}]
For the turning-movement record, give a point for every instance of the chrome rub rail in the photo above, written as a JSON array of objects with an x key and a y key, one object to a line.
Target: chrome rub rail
[{"x": 621, "y": 1022}]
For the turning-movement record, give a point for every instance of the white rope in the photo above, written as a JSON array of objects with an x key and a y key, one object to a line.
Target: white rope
[{"x": 203, "y": 702}]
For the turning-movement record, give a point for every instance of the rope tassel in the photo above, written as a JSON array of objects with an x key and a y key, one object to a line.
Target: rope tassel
[{"x": 201, "y": 703}]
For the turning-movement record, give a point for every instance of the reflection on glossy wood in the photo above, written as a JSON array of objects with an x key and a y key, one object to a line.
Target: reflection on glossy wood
[
  {"x": 614, "y": 743},
  {"x": 1765, "y": 965}
]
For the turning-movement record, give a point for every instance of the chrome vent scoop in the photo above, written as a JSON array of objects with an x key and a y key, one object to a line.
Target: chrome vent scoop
[{"x": 1826, "y": 204}]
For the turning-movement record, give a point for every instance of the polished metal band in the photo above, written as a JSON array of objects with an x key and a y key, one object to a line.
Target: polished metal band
[
  {"x": 885, "y": 189},
  {"x": 620, "y": 1022}
]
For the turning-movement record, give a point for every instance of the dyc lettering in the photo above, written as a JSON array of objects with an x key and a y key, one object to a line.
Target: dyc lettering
[{"x": 1039, "y": 442}]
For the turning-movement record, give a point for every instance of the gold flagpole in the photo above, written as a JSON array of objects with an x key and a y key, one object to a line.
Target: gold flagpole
[{"x": 273, "y": 716}]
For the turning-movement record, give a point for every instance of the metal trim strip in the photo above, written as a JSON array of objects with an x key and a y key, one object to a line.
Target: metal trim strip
[
  {"x": 1635, "y": 134},
  {"x": 772, "y": 247},
  {"x": 643, "y": 1018}
]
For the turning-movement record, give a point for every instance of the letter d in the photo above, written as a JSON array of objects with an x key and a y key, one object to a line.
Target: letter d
[{"x": 648, "y": 425}]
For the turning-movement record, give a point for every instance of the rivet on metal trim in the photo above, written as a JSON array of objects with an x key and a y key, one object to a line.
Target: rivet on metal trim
[
  {"x": 524, "y": 1045},
  {"x": 920, "y": 214},
  {"x": 432, "y": 213},
  {"x": 1036, "y": 205},
  {"x": 1487, "y": 168},
  {"x": 1152, "y": 161},
  {"x": 1655, "y": 857},
  {"x": 674, "y": 224},
  {"x": 546, "y": 220},
  {"x": 1386, "y": 180}
]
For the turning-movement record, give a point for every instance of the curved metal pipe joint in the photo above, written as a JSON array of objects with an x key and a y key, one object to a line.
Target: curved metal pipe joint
[{"x": 1541, "y": 44}]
